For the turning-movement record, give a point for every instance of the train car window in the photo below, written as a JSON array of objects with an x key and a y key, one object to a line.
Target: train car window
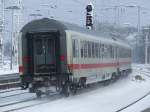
[
  {"x": 116, "y": 52},
  {"x": 75, "y": 48},
  {"x": 39, "y": 47},
  {"x": 105, "y": 51},
  {"x": 99, "y": 48},
  {"x": 82, "y": 49},
  {"x": 111, "y": 51},
  {"x": 102, "y": 50},
  {"x": 130, "y": 53},
  {"x": 85, "y": 49},
  {"x": 89, "y": 50},
  {"x": 122, "y": 54},
  {"x": 108, "y": 51},
  {"x": 93, "y": 52},
  {"x": 96, "y": 50}
]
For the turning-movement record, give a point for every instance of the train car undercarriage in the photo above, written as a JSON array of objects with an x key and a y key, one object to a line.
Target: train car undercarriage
[{"x": 64, "y": 85}]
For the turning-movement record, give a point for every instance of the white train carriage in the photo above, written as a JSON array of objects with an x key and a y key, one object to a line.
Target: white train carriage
[
  {"x": 97, "y": 58},
  {"x": 54, "y": 53}
]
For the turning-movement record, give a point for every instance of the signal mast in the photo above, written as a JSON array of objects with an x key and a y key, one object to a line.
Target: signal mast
[{"x": 89, "y": 16}]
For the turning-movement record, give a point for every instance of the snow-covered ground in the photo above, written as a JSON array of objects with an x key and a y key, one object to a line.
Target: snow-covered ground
[
  {"x": 104, "y": 98},
  {"x": 5, "y": 68}
]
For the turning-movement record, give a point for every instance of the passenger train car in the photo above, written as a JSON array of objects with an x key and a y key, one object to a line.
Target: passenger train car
[{"x": 65, "y": 56}]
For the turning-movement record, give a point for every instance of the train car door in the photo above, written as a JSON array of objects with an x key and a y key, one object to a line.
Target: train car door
[
  {"x": 44, "y": 55},
  {"x": 75, "y": 50}
]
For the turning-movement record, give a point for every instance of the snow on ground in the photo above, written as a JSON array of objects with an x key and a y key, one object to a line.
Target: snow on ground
[
  {"x": 17, "y": 98},
  {"x": 103, "y": 99},
  {"x": 139, "y": 106},
  {"x": 5, "y": 68},
  {"x": 8, "y": 71}
]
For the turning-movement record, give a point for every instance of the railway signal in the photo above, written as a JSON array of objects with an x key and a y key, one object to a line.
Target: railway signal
[{"x": 89, "y": 16}]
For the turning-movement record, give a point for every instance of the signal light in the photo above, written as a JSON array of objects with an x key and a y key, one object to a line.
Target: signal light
[{"x": 62, "y": 57}]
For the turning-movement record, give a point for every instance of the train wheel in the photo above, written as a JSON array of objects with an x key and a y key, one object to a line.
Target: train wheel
[
  {"x": 74, "y": 88},
  {"x": 47, "y": 93},
  {"x": 113, "y": 78},
  {"x": 128, "y": 72},
  {"x": 106, "y": 83},
  {"x": 124, "y": 73},
  {"x": 38, "y": 93},
  {"x": 24, "y": 86},
  {"x": 67, "y": 89}
]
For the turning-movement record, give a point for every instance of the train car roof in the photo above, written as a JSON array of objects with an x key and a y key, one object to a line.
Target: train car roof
[
  {"x": 50, "y": 24},
  {"x": 47, "y": 24}
]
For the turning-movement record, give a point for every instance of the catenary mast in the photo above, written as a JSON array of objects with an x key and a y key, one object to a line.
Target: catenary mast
[
  {"x": 1, "y": 30},
  {"x": 17, "y": 26}
]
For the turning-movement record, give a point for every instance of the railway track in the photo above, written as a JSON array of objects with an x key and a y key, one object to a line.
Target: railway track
[
  {"x": 29, "y": 103},
  {"x": 14, "y": 95},
  {"x": 9, "y": 85},
  {"x": 9, "y": 78},
  {"x": 17, "y": 102},
  {"x": 141, "y": 98},
  {"x": 9, "y": 81},
  {"x": 131, "y": 104},
  {"x": 34, "y": 101},
  {"x": 10, "y": 90},
  {"x": 12, "y": 107}
]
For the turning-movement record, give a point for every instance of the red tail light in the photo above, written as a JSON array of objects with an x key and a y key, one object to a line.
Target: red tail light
[
  {"x": 62, "y": 57},
  {"x": 21, "y": 69}
]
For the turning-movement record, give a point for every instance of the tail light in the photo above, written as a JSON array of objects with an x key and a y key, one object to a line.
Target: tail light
[
  {"x": 21, "y": 69},
  {"x": 62, "y": 57}
]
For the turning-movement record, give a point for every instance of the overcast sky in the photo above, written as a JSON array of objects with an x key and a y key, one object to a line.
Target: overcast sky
[{"x": 74, "y": 10}]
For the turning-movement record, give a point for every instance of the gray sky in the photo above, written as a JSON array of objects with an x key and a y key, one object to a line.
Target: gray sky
[{"x": 74, "y": 10}]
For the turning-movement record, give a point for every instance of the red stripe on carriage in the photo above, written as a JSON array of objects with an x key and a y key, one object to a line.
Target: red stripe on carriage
[{"x": 101, "y": 65}]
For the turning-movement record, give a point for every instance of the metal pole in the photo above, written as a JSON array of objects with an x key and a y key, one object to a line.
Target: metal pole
[
  {"x": 3, "y": 31},
  {"x": 12, "y": 34},
  {"x": 12, "y": 8},
  {"x": 139, "y": 18},
  {"x": 138, "y": 26},
  {"x": 115, "y": 9},
  {"x": 146, "y": 48},
  {"x": 118, "y": 15}
]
